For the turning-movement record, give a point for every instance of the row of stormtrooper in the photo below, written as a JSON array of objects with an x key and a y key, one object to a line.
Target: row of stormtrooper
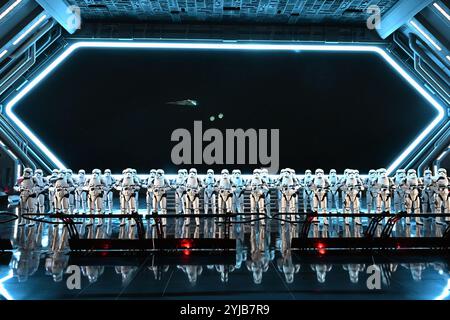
[{"x": 225, "y": 194}]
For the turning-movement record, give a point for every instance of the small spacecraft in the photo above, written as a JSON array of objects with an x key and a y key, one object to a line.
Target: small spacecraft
[{"x": 186, "y": 103}]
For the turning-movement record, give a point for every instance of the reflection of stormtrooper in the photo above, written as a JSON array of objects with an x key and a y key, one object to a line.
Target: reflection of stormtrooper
[
  {"x": 63, "y": 188},
  {"x": 428, "y": 192},
  {"x": 399, "y": 193},
  {"x": 319, "y": 186},
  {"x": 149, "y": 194},
  {"x": 41, "y": 188},
  {"x": 108, "y": 194},
  {"x": 127, "y": 187},
  {"x": 180, "y": 189},
  {"x": 159, "y": 187},
  {"x": 95, "y": 186},
  {"x": 333, "y": 193},
  {"x": 342, "y": 181},
  {"x": 321, "y": 271},
  {"x": 191, "y": 198},
  {"x": 411, "y": 185},
  {"x": 260, "y": 256},
  {"x": 26, "y": 186},
  {"x": 307, "y": 193},
  {"x": 383, "y": 186},
  {"x": 288, "y": 186},
  {"x": 80, "y": 193},
  {"x": 441, "y": 196},
  {"x": 257, "y": 195},
  {"x": 371, "y": 194},
  {"x": 192, "y": 272},
  {"x": 352, "y": 189},
  {"x": 238, "y": 191},
  {"x": 209, "y": 193},
  {"x": 225, "y": 193},
  {"x": 353, "y": 271},
  {"x": 24, "y": 263}
]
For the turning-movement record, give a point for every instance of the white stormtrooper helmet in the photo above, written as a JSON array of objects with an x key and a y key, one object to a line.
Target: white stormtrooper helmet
[
  {"x": 292, "y": 172},
  {"x": 81, "y": 172},
  {"x": 27, "y": 172},
  {"x": 39, "y": 173},
  {"x": 428, "y": 173},
  {"x": 351, "y": 174},
  {"x": 96, "y": 173},
  {"x": 210, "y": 172},
  {"x": 180, "y": 172},
  {"x": 55, "y": 172},
  {"x": 382, "y": 173},
  {"x": 107, "y": 172},
  {"x": 372, "y": 174},
  {"x": 412, "y": 173},
  {"x": 224, "y": 173},
  {"x": 134, "y": 172},
  {"x": 185, "y": 172},
  {"x": 159, "y": 173},
  {"x": 319, "y": 173},
  {"x": 333, "y": 173},
  {"x": 356, "y": 173},
  {"x": 69, "y": 173},
  {"x": 442, "y": 172},
  {"x": 347, "y": 171},
  {"x": 154, "y": 171},
  {"x": 256, "y": 172},
  {"x": 284, "y": 172},
  {"x": 264, "y": 172},
  {"x": 308, "y": 173},
  {"x": 192, "y": 172},
  {"x": 128, "y": 173},
  {"x": 236, "y": 172}
]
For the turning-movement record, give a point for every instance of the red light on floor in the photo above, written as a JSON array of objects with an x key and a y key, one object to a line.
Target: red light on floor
[
  {"x": 186, "y": 252},
  {"x": 320, "y": 248},
  {"x": 186, "y": 243}
]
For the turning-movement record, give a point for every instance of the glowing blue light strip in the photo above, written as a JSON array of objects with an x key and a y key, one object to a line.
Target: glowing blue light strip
[
  {"x": 423, "y": 33},
  {"x": 9, "y": 9},
  {"x": 27, "y": 32},
  {"x": 445, "y": 292},
  {"x": 442, "y": 11},
  {"x": 3, "y": 291},
  {"x": 226, "y": 46},
  {"x": 2, "y": 54}
]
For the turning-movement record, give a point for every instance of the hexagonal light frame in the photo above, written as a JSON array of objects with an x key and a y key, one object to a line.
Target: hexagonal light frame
[{"x": 225, "y": 46}]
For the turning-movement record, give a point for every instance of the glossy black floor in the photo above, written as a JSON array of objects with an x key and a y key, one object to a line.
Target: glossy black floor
[{"x": 262, "y": 267}]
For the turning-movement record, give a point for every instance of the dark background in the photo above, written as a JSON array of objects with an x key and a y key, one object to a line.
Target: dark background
[{"x": 107, "y": 108}]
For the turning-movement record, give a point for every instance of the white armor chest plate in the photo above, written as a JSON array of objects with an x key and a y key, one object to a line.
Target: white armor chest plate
[
  {"x": 108, "y": 180},
  {"x": 412, "y": 182},
  {"x": 159, "y": 182},
  {"x": 351, "y": 182},
  {"x": 61, "y": 183},
  {"x": 128, "y": 182},
  {"x": 308, "y": 180},
  {"x": 427, "y": 181},
  {"x": 287, "y": 181},
  {"x": 27, "y": 183},
  {"x": 192, "y": 182},
  {"x": 256, "y": 182},
  {"x": 383, "y": 182},
  {"x": 225, "y": 183},
  {"x": 333, "y": 180},
  {"x": 319, "y": 182},
  {"x": 209, "y": 181},
  {"x": 238, "y": 182},
  {"x": 95, "y": 182},
  {"x": 40, "y": 182},
  {"x": 398, "y": 180}
]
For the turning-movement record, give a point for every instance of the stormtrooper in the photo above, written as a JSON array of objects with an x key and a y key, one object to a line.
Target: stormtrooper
[
  {"x": 191, "y": 197},
  {"x": 333, "y": 192},
  {"x": 51, "y": 190},
  {"x": 238, "y": 191},
  {"x": 411, "y": 186},
  {"x": 399, "y": 193},
  {"x": 41, "y": 188},
  {"x": 342, "y": 183},
  {"x": 95, "y": 186},
  {"x": 180, "y": 190},
  {"x": 137, "y": 181},
  {"x": 127, "y": 187},
  {"x": 209, "y": 192},
  {"x": 109, "y": 181},
  {"x": 258, "y": 189},
  {"x": 63, "y": 189},
  {"x": 225, "y": 193},
  {"x": 26, "y": 186},
  {"x": 149, "y": 194},
  {"x": 269, "y": 182},
  {"x": 307, "y": 193},
  {"x": 352, "y": 189},
  {"x": 428, "y": 192},
  {"x": 441, "y": 196},
  {"x": 383, "y": 187},
  {"x": 288, "y": 186},
  {"x": 71, "y": 182},
  {"x": 371, "y": 194},
  {"x": 80, "y": 193},
  {"x": 159, "y": 187},
  {"x": 319, "y": 186}
]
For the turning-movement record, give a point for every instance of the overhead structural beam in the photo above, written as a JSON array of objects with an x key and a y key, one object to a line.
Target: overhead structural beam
[
  {"x": 67, "y": 16},
  {"x": 399, "y": 14}
]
